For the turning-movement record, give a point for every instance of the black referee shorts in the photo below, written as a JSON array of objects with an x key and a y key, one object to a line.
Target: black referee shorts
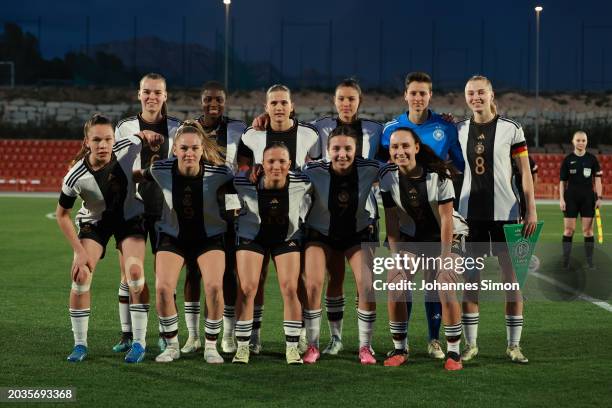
[
  {"x": 579, "y": 202},
  {"x": 102, "y": 231}
]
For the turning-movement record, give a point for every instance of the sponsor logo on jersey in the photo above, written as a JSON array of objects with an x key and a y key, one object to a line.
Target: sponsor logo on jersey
[
  {"x": 586, "y": 172},
  {"x": 481, "y": 137},
  {"x": 438, "y": 134}
]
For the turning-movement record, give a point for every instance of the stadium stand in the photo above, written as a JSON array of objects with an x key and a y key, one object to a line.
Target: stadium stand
[
  {"x": 35, "y": 165},
  {"x": 40, "y": 165}
]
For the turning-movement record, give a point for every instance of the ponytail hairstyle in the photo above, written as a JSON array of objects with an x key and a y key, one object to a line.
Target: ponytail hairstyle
[
  {"x": 490, "y": 85},
  {"x": 428, "y": 159},
  {"x": 96, "y": 119},
  {"x": 157, "y": 77},
  {"x": 212, "y": 152}
]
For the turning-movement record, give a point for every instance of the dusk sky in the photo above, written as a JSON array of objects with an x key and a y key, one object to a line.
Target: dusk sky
[{"x": 407, "y": 35}]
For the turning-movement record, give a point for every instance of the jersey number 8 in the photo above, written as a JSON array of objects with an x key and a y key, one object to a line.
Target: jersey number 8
[{"x": 480, "y": 166}]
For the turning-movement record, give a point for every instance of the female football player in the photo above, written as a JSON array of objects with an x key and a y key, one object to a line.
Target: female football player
[
  {"x": 347, "y": 100},
  {"x": 337, "y": 223},
  {"x": 153, "y": 117},
  {"x": 226, "y": 133},
  {"x": 302, "y": 141},
  {"x": 579, "y": 171},
  {"x": 487, "y": 201},
  {"x": 101, "y": 174},
  {"x": 418, "y": 194},
  {"x": 437, "y": 131},
  {"x": 191, "y": 227},
  {"x": 269, "y": 224}
]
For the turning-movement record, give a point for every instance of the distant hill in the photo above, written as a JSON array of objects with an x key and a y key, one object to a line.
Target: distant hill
[{"x": 190, "y": 65}]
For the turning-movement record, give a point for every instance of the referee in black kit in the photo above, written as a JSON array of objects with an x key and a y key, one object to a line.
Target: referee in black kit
[{"x": 576, "y": 195}]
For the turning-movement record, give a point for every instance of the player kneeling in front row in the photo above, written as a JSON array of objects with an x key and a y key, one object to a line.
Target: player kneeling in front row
[
  {"x": 418, "y": 194},
  {"x": 190, "y": 228},
  {"x": 269, "y": 224},
  {"x": 101, "y": 175}
]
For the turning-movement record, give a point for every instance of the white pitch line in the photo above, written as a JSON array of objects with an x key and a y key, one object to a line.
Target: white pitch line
[
  {"x": 17, "y": 194},
  {"x": 597, "y": 302}
]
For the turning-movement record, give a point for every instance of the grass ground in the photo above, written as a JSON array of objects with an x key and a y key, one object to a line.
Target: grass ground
[{"x": 567, "y": 343}]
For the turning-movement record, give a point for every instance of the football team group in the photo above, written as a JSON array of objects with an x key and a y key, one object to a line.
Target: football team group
[{"x": 221, "y": 199}]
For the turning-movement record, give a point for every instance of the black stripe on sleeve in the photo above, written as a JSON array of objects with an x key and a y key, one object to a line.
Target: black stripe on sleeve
[
  {"x": 387, "y": 199},
  {"x": 76, "y": 175},
  {"x": 66, "y": 201}
]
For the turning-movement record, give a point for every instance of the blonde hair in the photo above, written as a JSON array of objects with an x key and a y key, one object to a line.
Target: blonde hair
[
  {"x": 212, "y": 152},
  {"x": 96, "y": 119},
  {"x": 489, "y": 84},
  {"x": 156, "y": 77}
]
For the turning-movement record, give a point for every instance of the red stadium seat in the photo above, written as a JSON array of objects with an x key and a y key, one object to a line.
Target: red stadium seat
[{"x": 35, "y": 165}]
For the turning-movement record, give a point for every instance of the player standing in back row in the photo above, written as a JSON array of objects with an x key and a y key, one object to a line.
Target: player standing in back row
[
  {"x": 152, "y": 117},
  {"x": 226, "y": 133},
  {"x": 489, "y": 142},
  {"x": 302, "y": 142},
  {"x": 441, "y": 135},
  {"x": 348, "y": 98}
]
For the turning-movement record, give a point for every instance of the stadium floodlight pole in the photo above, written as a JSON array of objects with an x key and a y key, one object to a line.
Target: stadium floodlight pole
[
  {"x": 538, "y": 10},
  {"x": 226, "y": 69}
]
